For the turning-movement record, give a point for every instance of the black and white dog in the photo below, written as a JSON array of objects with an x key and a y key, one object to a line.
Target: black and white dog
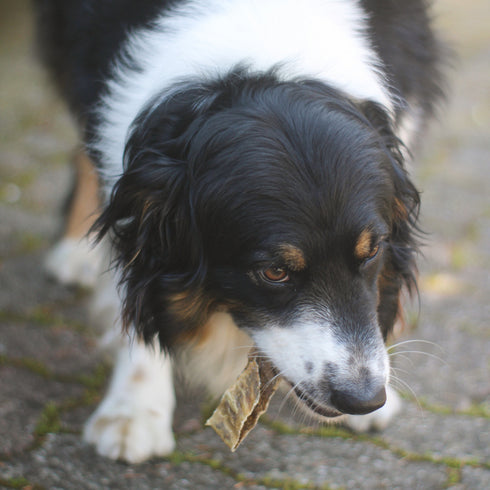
[{"x": 251, "y": 155}]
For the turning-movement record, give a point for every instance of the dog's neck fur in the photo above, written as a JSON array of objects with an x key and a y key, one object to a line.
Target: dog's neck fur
[{"x": 210, "y": 40}]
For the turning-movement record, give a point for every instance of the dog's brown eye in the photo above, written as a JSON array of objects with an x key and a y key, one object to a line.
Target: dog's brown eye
[{"x": 276, "y": 274}]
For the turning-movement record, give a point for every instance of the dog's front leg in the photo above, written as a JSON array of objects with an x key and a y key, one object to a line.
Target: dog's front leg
[
  {"x": 134, "y": 420},
  {"x": 74, "y": 260}
]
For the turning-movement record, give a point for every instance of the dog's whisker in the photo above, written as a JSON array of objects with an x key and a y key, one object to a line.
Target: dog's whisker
[
  {"x": 291, "y": 393},
  {"x": 399, "y": 370},
  {"x": 405, "y": 358},
  {"x": 428, "y": 354},
  {"x": 394, "y": 380},
  {"x": 415, "y": 341}
]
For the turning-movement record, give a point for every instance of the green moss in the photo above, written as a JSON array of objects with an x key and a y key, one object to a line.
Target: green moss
[
  {"x": 323, "y": 431},
  {"x": 340, "y": 432},
  {"x": 435, "y": 407},
  {"x": 178, "y": 457},
  {"x": 48, "y": 316},
  {"x": 43, "y": 315},
  {"x": 475, "y": 410},
  {"x": 97, "y": 379},
  {"x": 14, "y": 482},
  {"x": 49, "y": 422},
  {"x": 20, "y": 483},
  {"x": 453, "y": 477},
  {"x": 288, "y": 484},
  {"x": 29, "y": 364},
  {"x": 93, "y": 383},
  {"x": 30, "y": 243}
]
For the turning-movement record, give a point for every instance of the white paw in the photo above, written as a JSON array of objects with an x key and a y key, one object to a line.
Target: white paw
[
  {"x": 74, "y": 262},
  {"x": 379, "y": 419},
  {"x": 120, "y": 431}
]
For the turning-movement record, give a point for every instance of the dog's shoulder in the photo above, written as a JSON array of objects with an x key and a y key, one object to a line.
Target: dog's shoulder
[{"x": 79, "y": 40}]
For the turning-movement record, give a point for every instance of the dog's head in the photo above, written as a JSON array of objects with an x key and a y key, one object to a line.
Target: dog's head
[{"x": 283, "y": 203}]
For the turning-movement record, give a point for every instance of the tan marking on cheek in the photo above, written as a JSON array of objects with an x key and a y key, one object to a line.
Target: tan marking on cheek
[
  {"x": 293, "y": 257},
  {"x": 205, "y": 326},
  {"x": 363, "y": 245},
  {"x": 194, "y": 309},
  {"x": 187, "y": 305}
]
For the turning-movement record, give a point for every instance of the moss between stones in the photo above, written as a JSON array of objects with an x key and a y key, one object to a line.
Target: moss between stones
[
  {"x": 49, "y": 422},
  {"x": 178, "y": 457},
  {"x": 20, "y": 483},
  {"x": 339, "y": 432}
]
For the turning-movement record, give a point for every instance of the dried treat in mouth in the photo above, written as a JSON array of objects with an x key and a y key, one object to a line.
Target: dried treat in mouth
[{"x": 243, "y": 403}]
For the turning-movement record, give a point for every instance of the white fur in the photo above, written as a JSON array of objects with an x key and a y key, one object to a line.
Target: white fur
[
  {"x": 409, "y": 129},
  {"x": 134, "y": 421},
  {"x": 325, "y": 39},
  {"x": 219, "y": 358},
  {"x": 292, "y": 348},
  {"x": 74, "y": 262}
]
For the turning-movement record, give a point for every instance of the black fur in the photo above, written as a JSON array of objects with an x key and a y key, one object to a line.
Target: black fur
[
  {"x": 212, "y": 189},
  {"x": 413, "y": 57},
  {"x": 223, "y": 172},
  {"x": 80, "y": 39}
]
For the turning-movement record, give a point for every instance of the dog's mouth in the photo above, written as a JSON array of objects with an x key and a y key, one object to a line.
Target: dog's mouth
[{"x": 312, "y": 405}]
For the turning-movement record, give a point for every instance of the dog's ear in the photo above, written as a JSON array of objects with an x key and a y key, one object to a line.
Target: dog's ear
[
  {"x": 400, "y": 268},
  {"x": 150, "y": 221}
]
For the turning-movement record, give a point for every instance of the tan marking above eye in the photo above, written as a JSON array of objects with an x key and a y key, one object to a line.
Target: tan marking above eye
[
  {"x": 293, "y": 257},
  {"x": 364, "y": 249}
]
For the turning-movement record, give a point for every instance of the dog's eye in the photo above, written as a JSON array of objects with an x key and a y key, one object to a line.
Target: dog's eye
[
  {"x": 373, "y": 252},
  {"x": 275, "y": 274}
]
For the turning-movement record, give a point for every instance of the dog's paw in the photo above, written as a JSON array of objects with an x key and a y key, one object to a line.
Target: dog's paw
[
  {"x": 379, "y": 419},
  {"x": 119, "y": 431},
  {"x": 74, "y": 262}
]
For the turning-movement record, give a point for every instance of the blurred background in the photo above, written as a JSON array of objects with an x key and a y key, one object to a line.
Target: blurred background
[{"x": 51, "y": 373}]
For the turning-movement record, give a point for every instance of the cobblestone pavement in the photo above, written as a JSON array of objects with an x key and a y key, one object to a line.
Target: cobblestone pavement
[{"x": 52, "y": 374}]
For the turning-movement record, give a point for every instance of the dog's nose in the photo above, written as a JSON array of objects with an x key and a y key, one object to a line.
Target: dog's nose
[{"x": 359, "y": 402}]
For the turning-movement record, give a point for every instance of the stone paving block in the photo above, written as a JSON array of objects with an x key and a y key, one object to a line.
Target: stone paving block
[
  {"x": 23, "y": 396},
  {"x": 37, "y": 231},
  {"x": 24, "y": 286},
  {"x": 65, "y": 463},
  {"x": 475, "y": 478},
  {"x": 446, "y": 362},
  {"x": 59, "y": 349},
  {"x": 449, "y": 436},
  {"x": 334, "y": 461}
]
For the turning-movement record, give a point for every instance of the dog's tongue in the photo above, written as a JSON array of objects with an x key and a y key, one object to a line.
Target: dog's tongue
[{"x": 245, "y": 401}]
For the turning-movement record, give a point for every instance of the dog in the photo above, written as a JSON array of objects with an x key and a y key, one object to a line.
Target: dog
[{"x": 252, "y": 158}]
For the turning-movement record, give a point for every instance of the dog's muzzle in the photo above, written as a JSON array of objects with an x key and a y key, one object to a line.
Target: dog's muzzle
[{"x": 354, "y": 400}]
